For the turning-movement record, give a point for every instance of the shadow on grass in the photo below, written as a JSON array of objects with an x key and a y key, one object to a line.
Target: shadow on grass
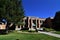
[
  {"x": 17, "y": 39},
  {"x": 4, "y": 33}
]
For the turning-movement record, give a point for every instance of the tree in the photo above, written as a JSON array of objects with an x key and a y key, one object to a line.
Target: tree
[
  {"x": 48, "y": 23},
  {"x": 57, "y": 21},
  {"x": 12, "y": 10}
]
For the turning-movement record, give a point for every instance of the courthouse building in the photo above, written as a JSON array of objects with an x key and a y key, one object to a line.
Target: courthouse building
[{"x": 32, "y": 23}]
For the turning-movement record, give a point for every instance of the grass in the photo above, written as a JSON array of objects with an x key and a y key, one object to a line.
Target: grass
[
  {"x": 57, "y": 32},
  {"x": 48, "y": 29},
  {"x": 26, "y": 36}
]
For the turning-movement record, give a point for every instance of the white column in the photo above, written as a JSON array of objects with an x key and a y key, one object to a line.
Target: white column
[
  {"x": 39, "y": 23},
  {"x": 16, "y": 27},
  {"x": 24, "y": 23}
]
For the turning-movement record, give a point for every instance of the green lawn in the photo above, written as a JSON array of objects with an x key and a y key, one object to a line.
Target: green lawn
[
  {"x": 57, "y": 32},
  {"x": 26, "y": 36}
]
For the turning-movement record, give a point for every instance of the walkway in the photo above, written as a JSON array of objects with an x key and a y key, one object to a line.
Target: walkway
[{"x": 51, "y": 34}]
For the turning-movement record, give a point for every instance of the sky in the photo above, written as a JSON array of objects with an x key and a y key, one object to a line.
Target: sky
[{"x": 41, "y": 8}]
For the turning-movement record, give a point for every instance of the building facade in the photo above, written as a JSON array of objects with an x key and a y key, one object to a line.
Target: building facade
[{"x": 32, "y": 23}]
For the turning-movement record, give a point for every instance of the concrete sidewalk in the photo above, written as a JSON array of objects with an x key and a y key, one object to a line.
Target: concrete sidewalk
[{"x": 51, "y": 34}]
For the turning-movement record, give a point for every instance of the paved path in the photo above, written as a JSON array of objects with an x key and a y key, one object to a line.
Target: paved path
[{"x": 51, "y": 34}]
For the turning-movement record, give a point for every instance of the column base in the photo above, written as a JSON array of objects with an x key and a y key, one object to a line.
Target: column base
[
  {"x": 31, "y": 29},
  {"x": 18, "y": 29}
]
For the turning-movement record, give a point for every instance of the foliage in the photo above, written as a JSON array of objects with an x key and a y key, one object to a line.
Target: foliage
[
  {"x": 47, "y": 23},
  {"x": 48, "y": 29},
  {"x": 57, "y": 21},
  {"x": 24, "y": 30},
  {"x": 53, "y": 23},
  {"x": 57, "y": 32},
  {"x": 31, "y": 31},
  {"x": 12, "y": 10}
]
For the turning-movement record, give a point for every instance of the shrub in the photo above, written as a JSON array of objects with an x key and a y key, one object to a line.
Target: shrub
[
  {"x": 31, "y": 31},
  {"x": 48, "y": 29}
]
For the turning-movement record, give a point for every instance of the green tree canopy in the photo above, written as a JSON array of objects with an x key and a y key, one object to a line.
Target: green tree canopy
[
  {"x": 57, "y": 21},
  {"x": 12, "y": 10}
]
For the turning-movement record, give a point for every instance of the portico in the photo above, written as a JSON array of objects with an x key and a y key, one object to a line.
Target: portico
[{"x": 32, "y": 23}]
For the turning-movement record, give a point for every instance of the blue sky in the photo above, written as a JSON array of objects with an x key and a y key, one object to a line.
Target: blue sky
[{"x": 41, "y": 8}]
